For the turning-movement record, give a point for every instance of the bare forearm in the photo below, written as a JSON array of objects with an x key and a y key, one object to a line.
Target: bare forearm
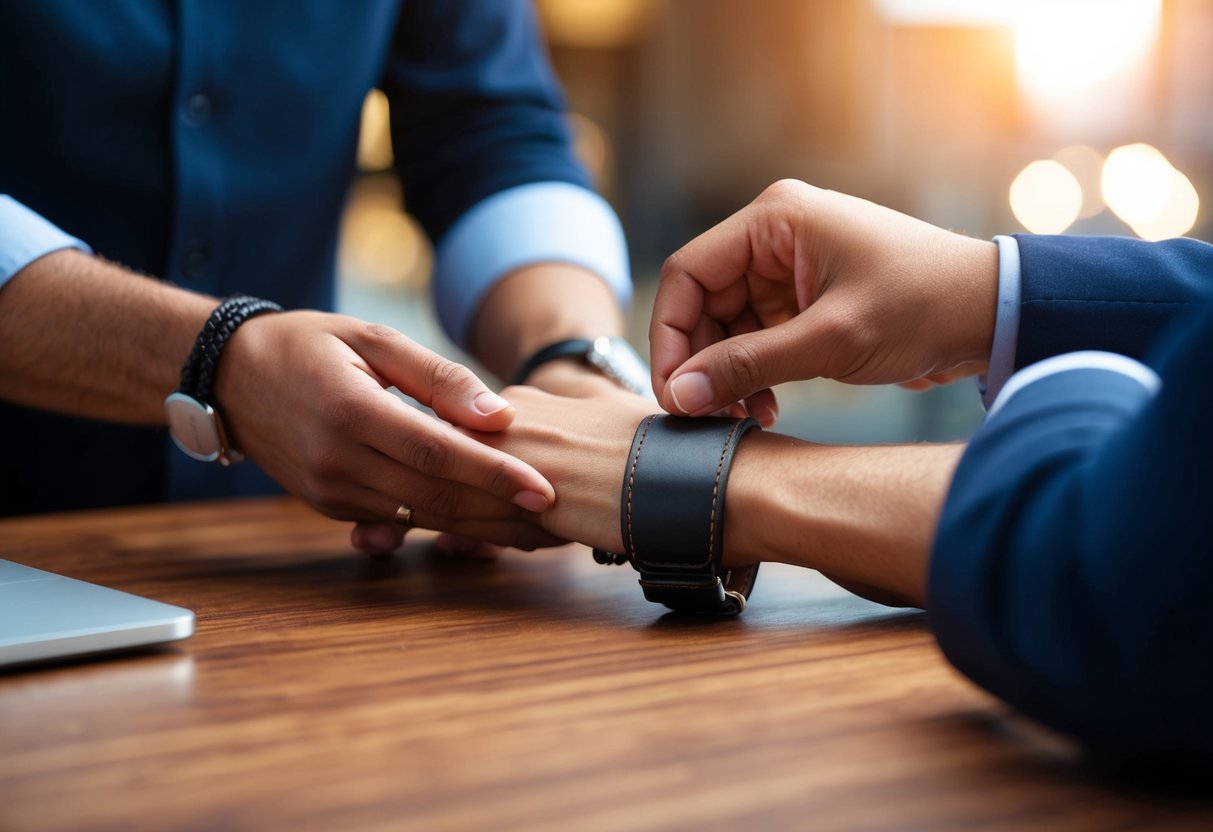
[
  {"x": 865, "y": 516},
  {"x": 82, "y": 336},
  {"x": 537, "y": 305}
]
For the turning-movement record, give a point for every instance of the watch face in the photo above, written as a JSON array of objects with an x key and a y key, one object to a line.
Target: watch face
[
  {"x": 195, "y": 427},
  {"x": 617, "y": 360}
]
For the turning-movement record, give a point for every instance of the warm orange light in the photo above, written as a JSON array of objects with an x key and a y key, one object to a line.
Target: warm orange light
[
  {"x": 1046, "y": 197},
  {"x": 1146, "y": 191},
  {"x": 1066, "y": 47},
  {"x": 595, "y": 23},
  {"x": 593, "y": 146},
  {"x": 374, "y": 140},
  {"x": 1086, "y": 164},
  {"x": 382, "y": 245}
]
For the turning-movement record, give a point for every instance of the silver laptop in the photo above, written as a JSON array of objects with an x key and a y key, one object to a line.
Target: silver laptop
[{"x": 44, "y": 616}]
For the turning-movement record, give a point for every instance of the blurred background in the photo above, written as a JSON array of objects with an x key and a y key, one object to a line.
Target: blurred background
[{"x": 1048, "y": 116}]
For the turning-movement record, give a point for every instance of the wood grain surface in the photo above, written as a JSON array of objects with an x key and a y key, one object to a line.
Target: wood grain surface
[{"x": 325, "y": 690}]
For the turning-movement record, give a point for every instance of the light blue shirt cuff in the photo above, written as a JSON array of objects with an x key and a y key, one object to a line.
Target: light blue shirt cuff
[
  {"x": 25, "y": 236},
  {"x": 1082, "y": 360},
  {"x": 1006, "y": 322},
  {"x": 535, "y": 223}
]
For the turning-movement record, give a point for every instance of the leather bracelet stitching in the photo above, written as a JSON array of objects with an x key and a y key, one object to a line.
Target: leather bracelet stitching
[
  {"x": 724, "y": 453},
  {"x": 631, "y": 544}
]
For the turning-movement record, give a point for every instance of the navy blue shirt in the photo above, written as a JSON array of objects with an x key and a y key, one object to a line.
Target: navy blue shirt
[{"x": 213, "y": 143}]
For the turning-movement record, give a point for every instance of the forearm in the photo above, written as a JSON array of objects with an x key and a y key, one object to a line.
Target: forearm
[
  {"x": 537, "y": 305},
  {"x": 85, "y": 337},
  {"x": 865, "y": 516}
]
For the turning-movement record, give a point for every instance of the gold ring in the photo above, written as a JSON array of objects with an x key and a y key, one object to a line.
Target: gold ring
[{"x": 404, "y": 516}]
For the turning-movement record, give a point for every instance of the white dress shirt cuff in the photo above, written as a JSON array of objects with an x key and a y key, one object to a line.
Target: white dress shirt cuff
[
  {"x": 25, "y": 236},
  {"x": 1084, "y": 360},
  {"x": 1006, "y": 322},
  {"x": 535, "y": 223}
]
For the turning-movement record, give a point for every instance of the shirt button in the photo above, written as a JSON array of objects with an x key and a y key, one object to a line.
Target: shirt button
[
  {"x": 197, "y": 110},
  {"x": 194, "y": 259}
]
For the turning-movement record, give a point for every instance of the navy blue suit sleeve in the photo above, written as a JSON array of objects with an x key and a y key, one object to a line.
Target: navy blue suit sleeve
[
  {"x": 1072, "y": 572},
  {"x": 1104, "y": 293},
  {"x": 475, "y": 108}
]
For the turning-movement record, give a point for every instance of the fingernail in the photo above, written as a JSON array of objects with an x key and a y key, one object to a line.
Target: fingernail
[
  {"x": 531, "y": 501},
  {"x": 772, "y": 416},
  {"x": 692, "y": 392},
  {"x": 489, "y": 402}
]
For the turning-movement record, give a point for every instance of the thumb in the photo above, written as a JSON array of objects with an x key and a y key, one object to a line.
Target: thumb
[{"x": 735, "y": 369}]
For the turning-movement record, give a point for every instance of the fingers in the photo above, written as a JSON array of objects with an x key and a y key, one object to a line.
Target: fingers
[
  {"x": 418, "y": 443},
  {"x": 761, "y": 239},
  {"x": 377, "y": 538},
  {"x": 452, "y": 390},
  {"x": 451, "y": 543},
  {"x": 740, "y": 368},
  {"x": 385, "y": 538},
  {"x": 763, "y": 407},
  {"x": 369, "y": 487},
  {"x": 458, "y": 396}
]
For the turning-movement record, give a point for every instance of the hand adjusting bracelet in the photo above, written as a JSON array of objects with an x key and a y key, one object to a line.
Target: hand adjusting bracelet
[
  {"x": 192, "y": 420},
  {"x": 672, "y": 514}
]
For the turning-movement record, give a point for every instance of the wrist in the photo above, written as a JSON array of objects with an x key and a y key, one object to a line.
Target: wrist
[
  {"x": 977, "y": 277},
  {"x": 570, "y": 377},
  {"x": 538, "y": 305},
  {"x": 672, "y": 517},
  {"x": 194, "y": 421},
  {"x": 612, "y": 358}
]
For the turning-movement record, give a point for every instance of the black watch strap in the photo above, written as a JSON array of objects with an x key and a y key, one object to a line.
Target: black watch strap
[
  {"x": 672, "y": 513},
  {"x": 571, "y": 348},
  {"x": 612, "y": 356}
]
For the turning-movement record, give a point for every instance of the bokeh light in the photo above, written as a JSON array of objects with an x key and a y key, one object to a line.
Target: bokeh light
[
  {"x": 381, "y": 244},
  {"x": 595, "y": 23},
  {"x": 375, "y": 140},
  {"x": 1066, "y": 47},
  {"x": 1045, "y": 197},
  {"x": 1144, "y": 189},
  {"x": 1086, "y": 163},
  {"x": 593, "y": 147}
]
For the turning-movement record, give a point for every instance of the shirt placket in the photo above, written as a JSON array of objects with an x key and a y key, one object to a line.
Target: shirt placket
[{"x": 198, "y": 99}]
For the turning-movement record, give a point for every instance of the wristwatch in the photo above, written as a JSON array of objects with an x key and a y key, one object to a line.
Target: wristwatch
[
  {"x": 612, "y": 356},
  {"x": 193, "y": 421}
]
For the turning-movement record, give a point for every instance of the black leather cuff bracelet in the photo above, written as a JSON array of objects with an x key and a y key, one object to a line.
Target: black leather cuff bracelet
[
  {"x": 193, "y": 422},
  {"x": 672, "y": 514}
]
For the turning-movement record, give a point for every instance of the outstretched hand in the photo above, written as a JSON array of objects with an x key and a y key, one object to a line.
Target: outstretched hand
[
  {"x": 306, "y": 395},
  {"x": 805, "y": 283}
]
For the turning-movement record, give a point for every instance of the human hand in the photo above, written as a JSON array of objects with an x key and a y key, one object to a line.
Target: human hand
[
  {"x": 567, "y": 378},
  {"x": 806, "y": 283},
  {"x": 304, "y": 394},
  {"x": 581, "y": 445}
]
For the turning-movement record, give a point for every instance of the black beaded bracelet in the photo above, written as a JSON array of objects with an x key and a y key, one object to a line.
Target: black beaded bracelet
[
  {"x": 198, "y": 372},
  {"x": 193, "y": 422},
  {"x": 672, "y": 513}
]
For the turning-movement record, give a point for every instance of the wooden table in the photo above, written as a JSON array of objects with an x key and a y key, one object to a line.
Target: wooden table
[{"x": 325, "y": 690}]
